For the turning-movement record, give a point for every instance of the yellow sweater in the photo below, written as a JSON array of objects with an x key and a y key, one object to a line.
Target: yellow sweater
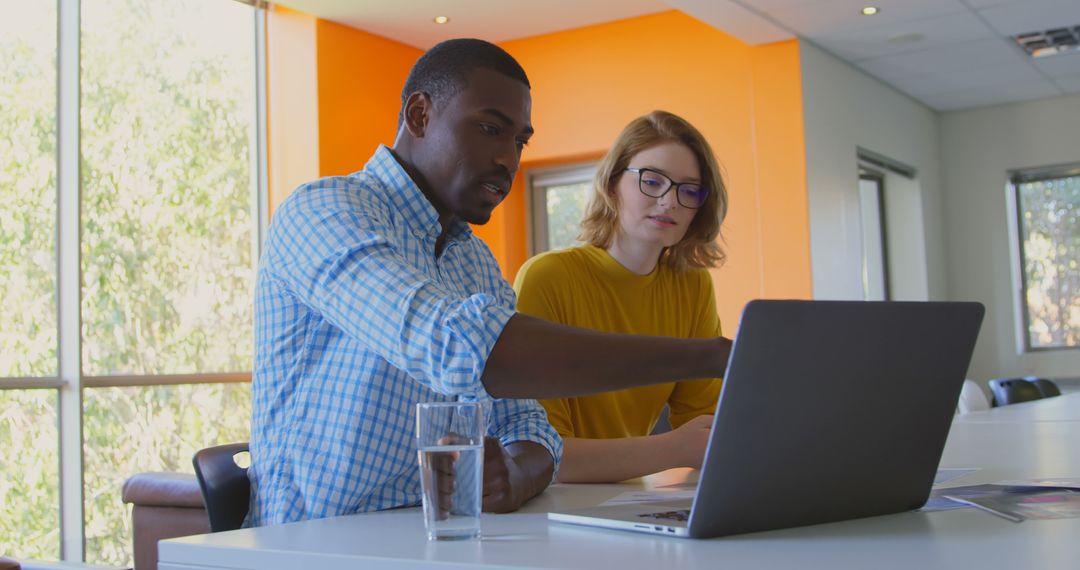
[{"x": 586, "y": 287}]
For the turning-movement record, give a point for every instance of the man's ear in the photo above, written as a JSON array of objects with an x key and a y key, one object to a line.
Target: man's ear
[{"x": 417, "y": 112}]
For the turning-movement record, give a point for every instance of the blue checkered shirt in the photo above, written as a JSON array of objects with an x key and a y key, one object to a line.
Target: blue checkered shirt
[{"x": 355, "y": 322}]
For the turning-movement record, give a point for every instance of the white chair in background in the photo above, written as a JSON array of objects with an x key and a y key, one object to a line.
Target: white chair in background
[{"x": 972, "y": 398}]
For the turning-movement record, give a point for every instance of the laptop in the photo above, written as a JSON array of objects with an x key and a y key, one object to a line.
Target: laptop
[{"x": 830, "y": 410}]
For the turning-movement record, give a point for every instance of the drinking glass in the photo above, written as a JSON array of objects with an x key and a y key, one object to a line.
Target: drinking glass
[{"x": 450, "y": 446}]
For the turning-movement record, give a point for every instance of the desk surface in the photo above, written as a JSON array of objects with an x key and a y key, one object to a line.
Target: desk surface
[{"x": 1004, "y": 448}]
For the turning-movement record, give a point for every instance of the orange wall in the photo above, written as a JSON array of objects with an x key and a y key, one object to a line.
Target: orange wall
[
  {"x": 360, "y": 80},
  {"x": 589, "y": 82}
]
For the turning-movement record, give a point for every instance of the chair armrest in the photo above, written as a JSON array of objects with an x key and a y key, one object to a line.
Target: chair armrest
[{"x": 163, "y": 490}]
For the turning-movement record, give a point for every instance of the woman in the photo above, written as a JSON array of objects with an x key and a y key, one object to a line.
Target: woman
[{"x": 650, "y": 231}]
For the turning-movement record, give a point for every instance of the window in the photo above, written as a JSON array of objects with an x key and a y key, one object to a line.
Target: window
[
  {"x": 875, "y": 280},
  {"x": 558, "y": 203},
  {"x": 160, "y": 197},
  {"x": 168, "y": 132},
  {"x": 29, "y": 486},
  {"x": 1048, "y": 229},
  {"x": 28, "y": 187}
]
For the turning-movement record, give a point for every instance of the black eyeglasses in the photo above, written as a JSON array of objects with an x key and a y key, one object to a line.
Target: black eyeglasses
[{"x": 655, "y": 185}]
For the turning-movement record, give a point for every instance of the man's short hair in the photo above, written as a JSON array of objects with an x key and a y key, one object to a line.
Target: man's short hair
[{"x": 444, "y": 69}]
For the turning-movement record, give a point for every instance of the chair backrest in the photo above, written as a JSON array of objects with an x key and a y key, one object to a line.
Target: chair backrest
[
  {"x": 224, "y": 485},
  {"x": 1013, "y": 390},
  {"x": 972, "y": 398},
  {"x": 1046, "y": 387}
]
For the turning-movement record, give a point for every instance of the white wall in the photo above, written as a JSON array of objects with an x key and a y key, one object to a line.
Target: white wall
[
  {"x": 977, "y": 148},
  {"x": 844, "y": 108}
]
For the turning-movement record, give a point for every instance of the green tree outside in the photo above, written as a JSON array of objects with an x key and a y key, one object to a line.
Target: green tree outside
[
  {"x": 565, "y": 209},
  {"x": 168, "y": 115},
  {"x": 1050, "y": 211},
  {"x": 29, "y": 458}
]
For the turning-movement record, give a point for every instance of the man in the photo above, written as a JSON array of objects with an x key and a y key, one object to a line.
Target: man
[{"x": 373, "y": 294}]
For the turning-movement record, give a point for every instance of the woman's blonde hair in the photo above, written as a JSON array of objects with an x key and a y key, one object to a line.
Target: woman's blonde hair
[{"x": 699, "y": 247}]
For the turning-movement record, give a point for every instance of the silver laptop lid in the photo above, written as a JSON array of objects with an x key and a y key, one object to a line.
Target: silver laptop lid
[{"x": 832, "y": 410}]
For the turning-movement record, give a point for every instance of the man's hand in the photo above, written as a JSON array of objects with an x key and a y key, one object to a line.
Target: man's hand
[
  {"x": 442, "y": 468},
  {"x": 514, "y": 474}
]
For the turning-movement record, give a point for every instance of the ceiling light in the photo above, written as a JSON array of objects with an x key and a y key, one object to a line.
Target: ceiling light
[
  {"x": 870, "y": 10},
  {"x": 1050, "y": 42},
  {"x": 441, "y": 19}
]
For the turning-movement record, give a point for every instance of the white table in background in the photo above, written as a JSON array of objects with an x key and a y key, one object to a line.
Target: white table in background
[
  {"x": 1018, "y": 445},
  {"x": 1063, "y": 408}
]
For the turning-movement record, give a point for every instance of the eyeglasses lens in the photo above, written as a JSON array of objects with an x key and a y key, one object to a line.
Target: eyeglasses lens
[
  {"x": 654, "y": 184},
  {"x": 692, "y": 195}
]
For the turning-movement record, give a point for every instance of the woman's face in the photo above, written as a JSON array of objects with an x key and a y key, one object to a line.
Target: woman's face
[{"x": 663, "y": 221}]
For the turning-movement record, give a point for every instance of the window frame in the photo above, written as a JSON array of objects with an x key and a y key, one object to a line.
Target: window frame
[
  {"x": 70, "y": 380},
  {"x": 1017, "y": 256}
]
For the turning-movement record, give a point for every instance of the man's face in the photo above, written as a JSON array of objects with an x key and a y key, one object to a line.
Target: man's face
[{"x": 472, "y": 145}]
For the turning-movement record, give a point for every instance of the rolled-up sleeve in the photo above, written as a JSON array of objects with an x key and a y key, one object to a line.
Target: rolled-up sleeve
[{"x": 525, "y": 420}]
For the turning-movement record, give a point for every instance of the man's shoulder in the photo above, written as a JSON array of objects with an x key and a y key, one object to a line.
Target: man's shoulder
[{"x": 355, "y": 191}]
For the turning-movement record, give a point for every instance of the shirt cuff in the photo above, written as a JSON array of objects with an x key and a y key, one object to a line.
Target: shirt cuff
[
  {"x": 543, "y": 435},
  {"x": 477, "y": 324}
]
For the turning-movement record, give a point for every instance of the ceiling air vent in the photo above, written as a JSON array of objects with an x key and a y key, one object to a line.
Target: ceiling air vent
[{"x": 1050, "y": 42}]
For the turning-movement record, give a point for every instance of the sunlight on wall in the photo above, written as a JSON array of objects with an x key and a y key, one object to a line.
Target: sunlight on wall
[{"x": 291, "y": 101}]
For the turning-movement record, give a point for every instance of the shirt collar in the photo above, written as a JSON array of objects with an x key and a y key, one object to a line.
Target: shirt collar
[{"x": 406, "y": 197}]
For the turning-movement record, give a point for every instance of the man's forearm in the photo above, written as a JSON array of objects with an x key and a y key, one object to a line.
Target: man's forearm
[{"x": 534, "y": 358}]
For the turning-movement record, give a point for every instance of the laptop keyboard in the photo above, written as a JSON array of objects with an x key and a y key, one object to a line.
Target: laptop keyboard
[{"x": 681, "y": 515}]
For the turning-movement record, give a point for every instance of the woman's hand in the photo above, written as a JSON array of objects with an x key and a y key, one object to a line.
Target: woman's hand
[{"x": 688, "y": 441}]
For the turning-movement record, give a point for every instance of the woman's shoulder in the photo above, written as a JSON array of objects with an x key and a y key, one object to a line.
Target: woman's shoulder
[
  {"x": 556, "y": 264},
  {"x": 693, "y": 277}
]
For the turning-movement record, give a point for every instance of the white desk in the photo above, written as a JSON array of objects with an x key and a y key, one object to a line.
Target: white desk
[{"x": 966, "y": 539}]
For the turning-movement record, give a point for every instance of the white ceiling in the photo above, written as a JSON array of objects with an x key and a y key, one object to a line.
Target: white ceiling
[
  {"x": 411, "y": 21},
  {"x": 949, "y": 54}
]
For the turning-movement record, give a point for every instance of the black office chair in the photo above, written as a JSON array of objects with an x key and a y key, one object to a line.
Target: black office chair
[
  {"x": 224, "y": 485},
  {"x": 1013, "y": 391}
]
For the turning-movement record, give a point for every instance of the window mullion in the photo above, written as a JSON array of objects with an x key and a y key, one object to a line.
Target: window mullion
[
  {"x": 261, "y": 200},
  {"x": 72, "y": 534}
]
